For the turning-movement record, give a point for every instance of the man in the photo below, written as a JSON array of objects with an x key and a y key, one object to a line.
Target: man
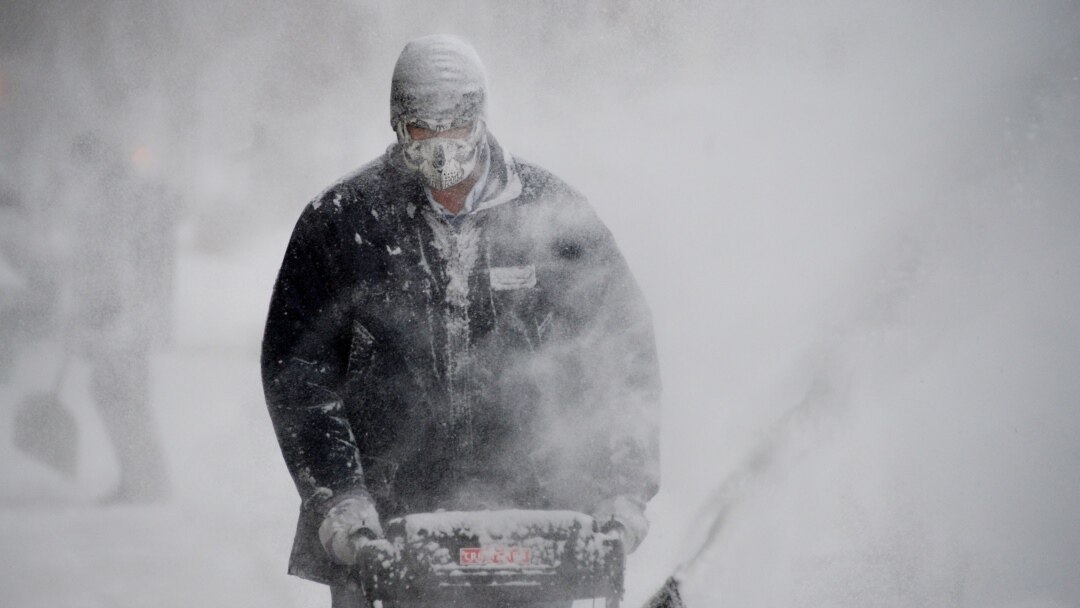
[
  {"x": 114, "y": 326},
  {"x": 454, "y": 328}
]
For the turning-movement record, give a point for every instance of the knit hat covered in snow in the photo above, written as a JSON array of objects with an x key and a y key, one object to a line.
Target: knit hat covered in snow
[{"x": 438, "y": 77}]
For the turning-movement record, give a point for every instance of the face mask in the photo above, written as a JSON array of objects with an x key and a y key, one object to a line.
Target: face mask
[{"x": 440, "y": 162}]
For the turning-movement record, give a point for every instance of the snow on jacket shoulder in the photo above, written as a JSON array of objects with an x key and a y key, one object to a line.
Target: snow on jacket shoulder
[{"x": 503, "y": 359}]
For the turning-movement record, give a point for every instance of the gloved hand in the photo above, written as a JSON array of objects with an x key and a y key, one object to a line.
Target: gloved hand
[
  {"x": 624, "y": 516},
  {"x": 348, "y": 526}
]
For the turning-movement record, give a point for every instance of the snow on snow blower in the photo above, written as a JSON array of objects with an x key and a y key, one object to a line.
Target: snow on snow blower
[{"x": 491, "y": 557}]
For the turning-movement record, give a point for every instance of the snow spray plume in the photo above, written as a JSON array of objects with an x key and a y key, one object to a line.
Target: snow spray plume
[{"x": 825, "y": 400}]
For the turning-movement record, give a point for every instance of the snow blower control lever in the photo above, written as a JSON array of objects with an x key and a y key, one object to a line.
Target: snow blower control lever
[{"x": 492, "y": 556}]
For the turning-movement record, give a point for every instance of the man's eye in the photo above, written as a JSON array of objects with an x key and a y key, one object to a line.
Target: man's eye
[{"x": 457, "y": 133}]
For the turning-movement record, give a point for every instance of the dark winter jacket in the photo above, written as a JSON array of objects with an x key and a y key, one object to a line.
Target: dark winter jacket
[{"x": 505, "y": 359}]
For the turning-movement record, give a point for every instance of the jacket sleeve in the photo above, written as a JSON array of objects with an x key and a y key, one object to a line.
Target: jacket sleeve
[
  {"x": 303, "y": 362},
  {"x": 621, "y": 342},
  {"x": 615, "y": 360}
]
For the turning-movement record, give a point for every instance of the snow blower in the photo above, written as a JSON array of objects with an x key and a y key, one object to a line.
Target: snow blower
[{"x": 491, "y": 558}]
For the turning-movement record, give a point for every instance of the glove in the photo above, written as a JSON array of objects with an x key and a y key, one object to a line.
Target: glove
[
  {"x": 624, "y": 516},
  {"x": 348, "y": 526}
]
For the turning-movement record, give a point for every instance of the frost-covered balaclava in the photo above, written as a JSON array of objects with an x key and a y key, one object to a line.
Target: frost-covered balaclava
[{"x": 439, "y": 84}]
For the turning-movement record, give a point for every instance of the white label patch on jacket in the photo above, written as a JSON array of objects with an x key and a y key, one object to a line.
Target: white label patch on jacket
[{"x": 512, "y": 277}]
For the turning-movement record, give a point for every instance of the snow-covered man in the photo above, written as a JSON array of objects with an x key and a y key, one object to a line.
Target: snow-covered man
[{"x": 454, "y": 328}]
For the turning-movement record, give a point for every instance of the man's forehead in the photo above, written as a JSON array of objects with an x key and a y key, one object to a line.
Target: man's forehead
[{"x": 437, "y": 101}]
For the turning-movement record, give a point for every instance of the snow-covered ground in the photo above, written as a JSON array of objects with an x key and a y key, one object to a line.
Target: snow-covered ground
[
  {"x": 857, "y": 229},
  {"x": 223, "y": 537}
]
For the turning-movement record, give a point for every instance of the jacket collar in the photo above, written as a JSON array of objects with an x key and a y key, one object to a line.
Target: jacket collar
[{"x": 503, "y": 183}]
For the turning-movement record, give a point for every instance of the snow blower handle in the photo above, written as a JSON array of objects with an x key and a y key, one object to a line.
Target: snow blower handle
[{"x": 624, "y": 516}]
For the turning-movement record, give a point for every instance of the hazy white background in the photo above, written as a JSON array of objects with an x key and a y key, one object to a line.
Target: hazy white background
[{"x": 877, "y": 201}]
